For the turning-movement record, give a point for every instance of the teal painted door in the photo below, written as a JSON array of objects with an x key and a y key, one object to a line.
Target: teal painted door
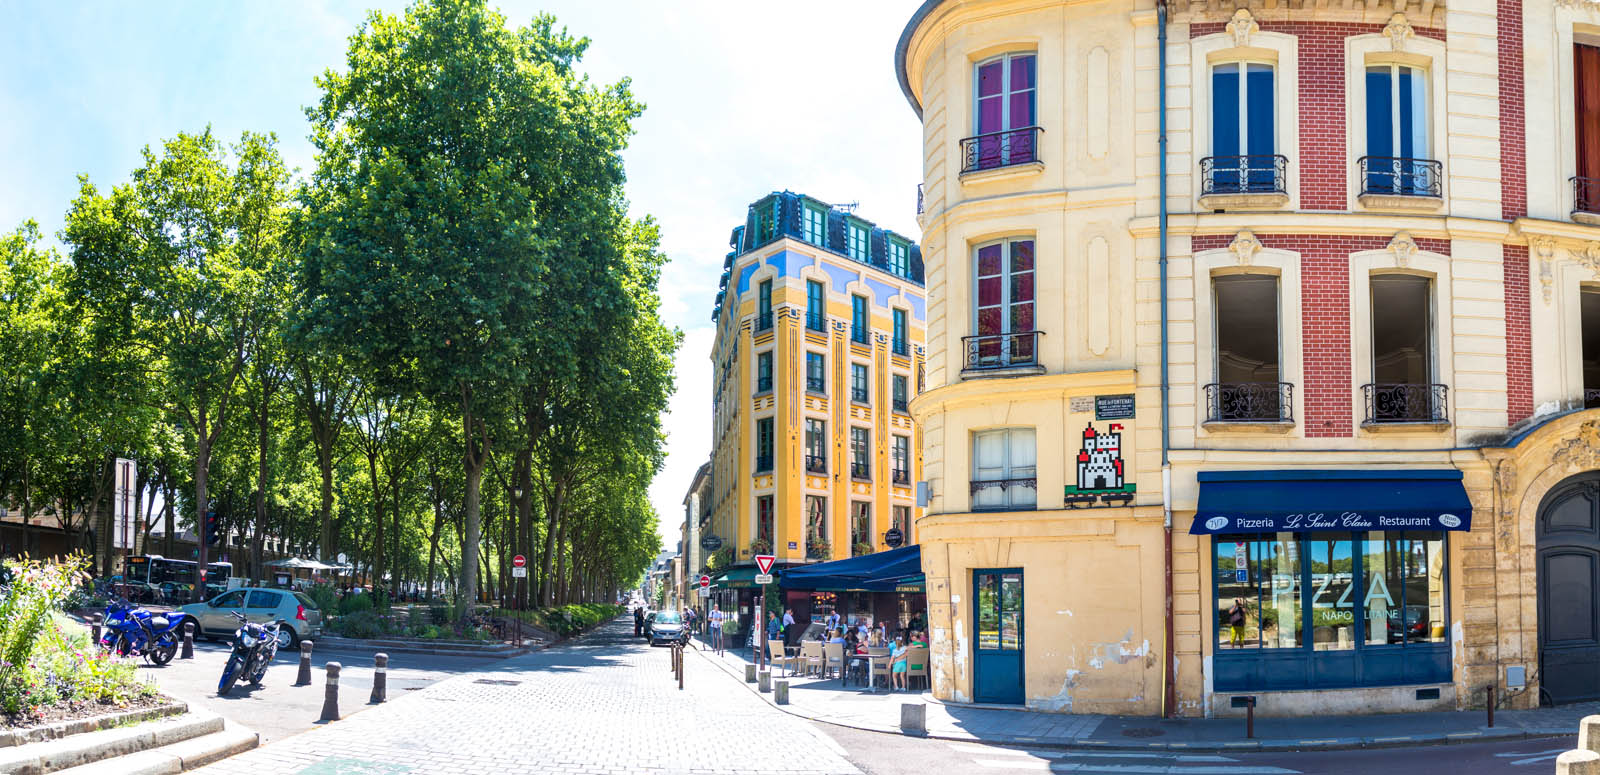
[{"x": 997, "y": 636}]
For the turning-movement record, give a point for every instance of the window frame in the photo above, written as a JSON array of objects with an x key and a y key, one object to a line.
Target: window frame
[
  {"x": 860, "y": 319},
  {"x": 816, "y": 306},
  {"x": 816, "y": 373},
  {"x": 814, "y": 224},
  {"x": 899, "y": 342},
  {"x": 1430, "y": 292},
  {"x": 1008, "y": 468},
  {"x": 861, "y": 509},
  {"x": 861, "y": 384},
  {"x": 766, "y": 521},
  {"x": 816, "y": 443},
  {"x": 1216, "y": 321},
  {"x": 766, "y": 441},
  {"x": 858, "y": 241},
  {"x": 900, "y": 398},
  {"x": 1006, "y": 91},
  {"x": 899, "y": 256},
  {"x": 764, "y": 361},
  {"x": 900, "y": 458},
  {"x": 861, "y": 452}
]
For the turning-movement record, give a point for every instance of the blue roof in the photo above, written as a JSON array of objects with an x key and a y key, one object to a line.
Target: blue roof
[{"x": 876, "y": 572}]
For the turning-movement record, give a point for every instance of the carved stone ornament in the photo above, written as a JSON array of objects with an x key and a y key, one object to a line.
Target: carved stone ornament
[
  {"x": 1578, "y": 3},
  {"x": 1244, "y": 247},
  {"x": 1398, "y": 31},
  {"x": 1545, "y": 248},
  {"x": 1403, "y": 247},
  {"x": 1589, "y": 257},
  {"x": 1242, "y": 26},
  {"x": 1505, "y": 480},
  {"x": 1582, "y": 452}
]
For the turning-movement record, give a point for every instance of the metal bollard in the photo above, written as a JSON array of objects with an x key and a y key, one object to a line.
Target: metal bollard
[
  {"x": 380, "y": 681},
  {"x": 304, "y": 677},
  {"x": 330, "y": 702},
  {"x": 1250, "y": 718},
  {"x": 94, "y": 629},
  {"x": 188, "y": 641},
  {"x": 1490, "y": 690}
]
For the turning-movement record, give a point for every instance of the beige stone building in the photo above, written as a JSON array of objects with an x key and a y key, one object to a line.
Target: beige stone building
[{"x": 1327, "y": 445}]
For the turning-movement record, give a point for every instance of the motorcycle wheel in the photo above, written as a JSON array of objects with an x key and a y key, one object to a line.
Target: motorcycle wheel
[
  {"x": 122, "y": 646},
  {"x": 163, "y": 651},
  {"x": 230, "y": 675}
]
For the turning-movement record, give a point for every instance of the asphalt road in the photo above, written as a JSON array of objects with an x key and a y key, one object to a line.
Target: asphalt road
[
  {"x": 279, "y": 708},
  {"x": 880, "y": 754}
]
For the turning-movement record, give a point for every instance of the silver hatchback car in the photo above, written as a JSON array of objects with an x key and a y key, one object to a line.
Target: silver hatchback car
[{"x": 297, "y": 612}]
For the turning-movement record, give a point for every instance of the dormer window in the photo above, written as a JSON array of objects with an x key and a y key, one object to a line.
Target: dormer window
[{"x": 860, "y": 242}]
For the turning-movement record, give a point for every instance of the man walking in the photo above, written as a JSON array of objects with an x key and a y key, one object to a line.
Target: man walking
[
  {"x": 714, "y": 619},
  {"x": 638, "y": 621}
]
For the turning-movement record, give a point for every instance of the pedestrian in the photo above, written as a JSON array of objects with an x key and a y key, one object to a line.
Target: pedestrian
[
  {"x": 774, "y": 629},
  {"x": 833, "y": 620},
  {"x": 714, "y": 619},
  {"x": 788, "y": 626},
  {"x": 638, "y": 621},
  {"x": 1236, "y": 617}
]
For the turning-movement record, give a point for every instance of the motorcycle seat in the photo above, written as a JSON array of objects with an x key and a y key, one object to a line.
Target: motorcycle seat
[{"x": 159, "y": 622}]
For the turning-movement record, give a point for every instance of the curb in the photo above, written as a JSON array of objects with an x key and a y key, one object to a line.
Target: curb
[
  {"x": 358, "y": 643},
  {"x": 1263, "y": 745}
]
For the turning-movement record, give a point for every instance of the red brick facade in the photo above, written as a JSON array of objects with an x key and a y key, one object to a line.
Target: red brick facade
[
  {"x": 1519, "y": 335},
  {"x": 1323, "y": 161},
  {"x": 1513, "y": 146},
  {"x": 1325, "y": 398}
]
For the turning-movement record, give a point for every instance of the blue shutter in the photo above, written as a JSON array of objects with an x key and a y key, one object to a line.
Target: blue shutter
[
  {"x": 1260, "y": 113},
  {"x": 1225, "y": 111}
]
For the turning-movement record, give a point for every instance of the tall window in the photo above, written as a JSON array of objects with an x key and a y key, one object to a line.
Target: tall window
[
  {"x": 860, "y": 528},
  {"x": 860, "y": 447},
  {"x": 1243, "y": 128},
  {"x": 1005, "y": 321},
  {"x": 859, "y": 383},
  {"x": 765, "y": 224},
  {"x": 1402, "y": 350},
  {"x": 1589, "y": 306},
  {"x": 1006, "y": 101},
  {"x": 817, "y": 528},
  {"x": 899, "y": 258},
  {"x": 1586, "y": 81},
  {"x": 816, "y": 314},
  {"x": 816, "y": 446},
  {"x": 1247, "y": 349},
  {"x": 764, "y": 444},
  {"x": 764, "y": 526},
  {"x": 902, "y": 522},
  {"x": 816, "y": 225},
  {"x": 763, "y": 372},
  {"x": 1398, "y": 161},
  {"x": 901, "y": 460},
  {"x": 860, "y": 242},
  {"x": 901, "y": 346},
  {"x": 764, "y": 306},
  {"x": 859, "y": 326},
  {"x": 1003, "y": 474},
  {"x": 900, "y": 399},
  {"x": 816, "y": 373}
]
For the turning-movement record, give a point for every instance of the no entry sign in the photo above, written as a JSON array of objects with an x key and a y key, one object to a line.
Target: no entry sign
[
  {"x": 705, "y": 581},
  {"x": 519, "y": 562}
]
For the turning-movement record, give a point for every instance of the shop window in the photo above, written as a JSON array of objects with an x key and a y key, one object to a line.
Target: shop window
[
  {"x": 1243, "y": 131},
  {"x": 816, "y": 446},
  {"x": 1258, "y": 591},
  {"x": 1403, "y": 388},
  {"x": 1247, "y": 387},
  {"x": 764, "y": 520},
  {"x": 860, "y": 383},
  {"x": 860, "y": 528},
  {"x": 764, "y": 445},
  {"x": 1003, "y": 473},
  {"x": 817, "y": 547},
  {"x": 1589, "y": 305},
  {"x": 816, "y": 373},
  {"x": 860, "y": 445},
  {"x": 1398, "y": 160},
  {"x": 1403, "y": 588},
  {"x": 1003, "y": 317},
  {"x": 1586, "y": 82}
]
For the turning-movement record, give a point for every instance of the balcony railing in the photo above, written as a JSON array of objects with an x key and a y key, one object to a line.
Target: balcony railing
[
  {"x": 1256, "y": 174},
  {"x": 858, "y": 395},
  {"x": 860, "y": 335},
  {"x": 1586, "y": 195},
  {"x": 1249, "y": 402},
  {"x": 860, "y": 471},
  {"x": 1591, "y": 398},
  {"x": 1000, "y": 149},
  {"x": 763, "y": 463},
  {"x": 816, "y": 384},
  {"x": 901, "y": 405},
  {"x": 901, "y": 346},
  {"x": 1399, "y": 176},
  {"x": 764, "y": 384},
  {"x": 816, "y": 321},
  {"x": 902, "y": 476},
  {"x": 817, "y": 464},
  {"x": 999, "y": 351},
  {"x": 1423, "y": 403},
  {"x": 1013, "y": 494},
  {"x": 763, "y": 321}
]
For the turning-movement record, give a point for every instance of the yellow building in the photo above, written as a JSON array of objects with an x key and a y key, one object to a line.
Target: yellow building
[
  {"x": 1357, "y": 471},
  {"x": 818, "y": 352}
]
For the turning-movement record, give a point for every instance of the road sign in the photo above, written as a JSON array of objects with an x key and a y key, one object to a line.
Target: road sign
[
  {"x": 343, "y": 558},
  {"x": 705, "y": 581},
  {"x": 764, "y": 565},
  {"x": 519, "y": 572},
  {"x": 519, "y": 562},
  {"x": 764, "y": 578},
  {"x": 705, "y": 592}
]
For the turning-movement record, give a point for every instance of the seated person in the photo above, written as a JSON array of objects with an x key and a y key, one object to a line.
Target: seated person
[{"x": 835, "y": 637}]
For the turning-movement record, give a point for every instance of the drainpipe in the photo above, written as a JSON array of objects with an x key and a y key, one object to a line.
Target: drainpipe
[{"x": 1169, "y": 665}]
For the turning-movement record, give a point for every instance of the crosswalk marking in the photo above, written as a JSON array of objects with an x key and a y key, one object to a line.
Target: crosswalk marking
[{"x": 1109, "y": 762}]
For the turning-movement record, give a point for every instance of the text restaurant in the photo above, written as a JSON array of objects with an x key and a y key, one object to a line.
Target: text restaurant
[{"x": 1330, "y": 579}]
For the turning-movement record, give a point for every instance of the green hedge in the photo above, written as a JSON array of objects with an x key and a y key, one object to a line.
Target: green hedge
[{"x": 567, "y": 620}]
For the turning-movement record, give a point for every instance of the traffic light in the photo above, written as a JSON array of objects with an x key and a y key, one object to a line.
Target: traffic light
[{"x": 212, "y": 530}]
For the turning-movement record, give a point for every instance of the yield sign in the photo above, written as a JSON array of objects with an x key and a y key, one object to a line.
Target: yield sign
[
  {"x": 519, "y": 561},
  {"x": 764, "y": 563}
]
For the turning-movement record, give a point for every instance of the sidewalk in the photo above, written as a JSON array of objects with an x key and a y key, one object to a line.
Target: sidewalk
[{"x": 879, "y": 711}]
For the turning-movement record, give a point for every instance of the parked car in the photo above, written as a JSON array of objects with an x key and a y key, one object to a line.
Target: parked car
[
  {"x": 667, "y": 627},
  {"x": 213, "y": 619}
]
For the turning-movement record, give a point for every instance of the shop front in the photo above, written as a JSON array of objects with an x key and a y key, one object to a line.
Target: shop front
[
  {"x": 1329, "y": 580},
  {"x": 734, "y": 593},
  {"x": 883, "y": 589}
]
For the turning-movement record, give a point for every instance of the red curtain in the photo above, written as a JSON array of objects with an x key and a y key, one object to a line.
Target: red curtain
[{"x": 1586, "y": 69}]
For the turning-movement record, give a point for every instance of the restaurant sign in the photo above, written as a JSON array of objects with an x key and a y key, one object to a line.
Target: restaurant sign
[{"x": 1260, "y": 522}]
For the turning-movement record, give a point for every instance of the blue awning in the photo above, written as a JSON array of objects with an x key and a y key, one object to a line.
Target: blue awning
[
  {"x": 876, "y": 572},
  {"x": 1299, "y": 501}
]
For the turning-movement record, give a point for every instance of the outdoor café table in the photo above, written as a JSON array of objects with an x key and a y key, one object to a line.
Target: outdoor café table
[
  {"x": 872, "y": 660},
  {"x": 859, "y": 665}
]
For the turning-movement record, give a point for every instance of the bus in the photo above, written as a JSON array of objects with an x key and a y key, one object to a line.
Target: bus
[{"x": 156, "y": 578}]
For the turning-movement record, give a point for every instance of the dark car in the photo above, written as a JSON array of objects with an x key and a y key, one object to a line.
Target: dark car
[{"x": 667, "y": 627}]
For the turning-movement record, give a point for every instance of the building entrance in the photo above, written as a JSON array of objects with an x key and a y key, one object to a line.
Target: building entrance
[{"x": 1568, "y": 543}]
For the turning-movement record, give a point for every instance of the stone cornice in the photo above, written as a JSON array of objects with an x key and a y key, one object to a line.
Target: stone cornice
[
  {"x": 1420, "y": 13},
  {"x": 1378, "y": 224}
]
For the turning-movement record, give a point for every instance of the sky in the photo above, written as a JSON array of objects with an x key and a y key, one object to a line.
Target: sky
[{"x": 743, "y": 97}]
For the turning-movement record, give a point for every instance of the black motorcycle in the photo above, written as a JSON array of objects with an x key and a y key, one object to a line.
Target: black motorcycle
[{"x": 254, "y": 647}]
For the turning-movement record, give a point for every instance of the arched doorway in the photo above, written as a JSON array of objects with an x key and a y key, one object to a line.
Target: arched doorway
[{"x": 1567, "y": 537}]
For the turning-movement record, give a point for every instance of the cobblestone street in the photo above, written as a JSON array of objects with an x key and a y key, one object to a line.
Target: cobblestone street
[{"x": 603, "y": 704}]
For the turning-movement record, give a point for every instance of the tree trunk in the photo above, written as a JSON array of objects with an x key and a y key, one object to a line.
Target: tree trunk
[
  {"x": 475, "y": 455},
  {"x": 325, "y": 513},
  {"x": 202, "y": 467},
  {"x": 169, "y": 494},
  {"x": 377, "y": 515},
  {"x": 261, "y": 489}
]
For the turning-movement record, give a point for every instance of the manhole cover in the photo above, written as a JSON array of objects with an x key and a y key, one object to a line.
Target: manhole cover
[
  {"x": 496, "y": 682},
  {"x": 1142, "y": 732}
]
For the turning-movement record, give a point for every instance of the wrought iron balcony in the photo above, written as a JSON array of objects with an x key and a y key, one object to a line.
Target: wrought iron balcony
[
  {"x": 902, "y": 476},
  {"x": 858, "y": 395},
  {"x": 1002, "y": 351},
  {"x": 1255, "y": 174},
  {"x": 860, "y": 471},
  {"x": 1013, "y": 493},
  {"x": 763, "y": 321},
  {"x": 1250, "y": 402},
  {"x": 816, "y": 321},
  {"x": 860, "y": 335},
  {"x": 1400, "y": 176},
  {"x": 763, "y": 463},
  {"x": 1585, "y": 195},
  {"x": 1591, "y": 398},
  {"x": 817, "y": 464},
  {"x": 1420, "y": 403},
  {"x": 901, "y": 347},
  {"x": 901, "y": 405},
  {"x": 1000, "y": 149}
]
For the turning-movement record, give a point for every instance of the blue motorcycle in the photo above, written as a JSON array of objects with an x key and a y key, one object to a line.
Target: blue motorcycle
[
  {"x": 131, "y": 630},
  {"x": 254, "y": 647}
]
